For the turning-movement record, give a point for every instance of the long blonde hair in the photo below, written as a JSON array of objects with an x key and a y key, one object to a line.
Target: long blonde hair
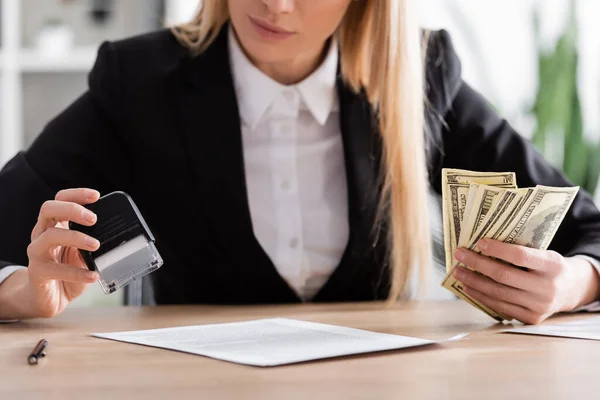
[{"x": 381, "y": 53}]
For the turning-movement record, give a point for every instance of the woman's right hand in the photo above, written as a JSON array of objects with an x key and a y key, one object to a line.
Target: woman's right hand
[{"x": 57, "y": 273}]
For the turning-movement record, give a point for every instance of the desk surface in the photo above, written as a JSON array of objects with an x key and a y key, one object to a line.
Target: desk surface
[{"x": 485, "y": 365}]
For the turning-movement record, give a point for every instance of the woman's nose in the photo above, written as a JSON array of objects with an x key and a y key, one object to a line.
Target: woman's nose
[{"x": 281, "y": 6}]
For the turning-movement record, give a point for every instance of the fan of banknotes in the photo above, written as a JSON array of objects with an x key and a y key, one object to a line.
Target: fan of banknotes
[{"x": 488, "y": 205}]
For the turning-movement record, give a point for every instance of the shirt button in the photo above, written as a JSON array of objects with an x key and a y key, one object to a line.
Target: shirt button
[
  {"x": 286, "y": 185},
  {"x": 294, "y": 243}
]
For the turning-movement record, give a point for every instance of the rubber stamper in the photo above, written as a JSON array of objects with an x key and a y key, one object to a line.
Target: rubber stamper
[{"x": 127, "y": 251}]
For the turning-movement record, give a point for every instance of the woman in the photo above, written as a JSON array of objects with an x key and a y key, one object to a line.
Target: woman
[{"x": 276, "y": 150}]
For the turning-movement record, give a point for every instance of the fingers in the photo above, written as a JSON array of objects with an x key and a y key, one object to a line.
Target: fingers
[
  {"x": 79, "y": 196},
  {"x": 540, "y": 260},
  {"x": 45, "y": 271},
  {"x": 67, "y": 206},
  {"x": 53, "y": 211},
  {"x": 501, "y": 272},
  {"x": 516, "y": 311},
  {"x": 498, "y": 291},
  {"x": 60, "y": 237}
]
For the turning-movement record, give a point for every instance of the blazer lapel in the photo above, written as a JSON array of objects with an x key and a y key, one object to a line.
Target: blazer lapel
[
  {"x": 209, "y": 117},
  {"x": 363, "y": 271}
]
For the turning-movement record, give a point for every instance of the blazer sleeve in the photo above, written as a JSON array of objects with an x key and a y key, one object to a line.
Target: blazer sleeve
[
  {"x": 475, "y": 138},
  {"x": 81, "y": 147}
]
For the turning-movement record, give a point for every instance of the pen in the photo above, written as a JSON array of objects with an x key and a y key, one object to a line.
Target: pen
[{"x": 38, "y": 352}]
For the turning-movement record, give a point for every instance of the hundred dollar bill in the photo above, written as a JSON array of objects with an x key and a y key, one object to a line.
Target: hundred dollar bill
[
  {"x": 504, "y": 207},
  {"x": 541, "y": 216},
  {"x": 455, "y": 188},
  {"x": 532, "y": 221},
  {"x": 498, "y": 220},
  {"x": 481, "y": 198}
]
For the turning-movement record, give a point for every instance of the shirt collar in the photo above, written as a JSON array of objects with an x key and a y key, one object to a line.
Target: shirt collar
[{"x": 256, "y": 91}]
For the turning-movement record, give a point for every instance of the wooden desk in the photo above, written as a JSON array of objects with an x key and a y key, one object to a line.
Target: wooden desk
[{"x": 485, "y": 365}]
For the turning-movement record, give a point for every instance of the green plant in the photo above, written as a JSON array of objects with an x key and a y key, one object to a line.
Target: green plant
[{"x": 559, "y": 133}]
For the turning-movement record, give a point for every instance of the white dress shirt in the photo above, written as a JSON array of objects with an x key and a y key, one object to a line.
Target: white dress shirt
[{"x": 295, "y": 172}]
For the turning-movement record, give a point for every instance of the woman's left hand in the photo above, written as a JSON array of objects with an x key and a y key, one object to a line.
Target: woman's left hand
[{"x": 552, "y": 284}]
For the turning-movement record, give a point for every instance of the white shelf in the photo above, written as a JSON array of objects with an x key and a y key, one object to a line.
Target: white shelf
[{"x": 78, "y": 60}]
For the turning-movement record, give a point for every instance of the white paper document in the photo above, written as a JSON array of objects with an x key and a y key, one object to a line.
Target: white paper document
[
  {"x": 268, "y": 342},
  {"x": 588, "y": 328}
]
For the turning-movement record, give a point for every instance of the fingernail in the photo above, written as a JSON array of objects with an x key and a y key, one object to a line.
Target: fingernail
[
  {"x": 482, "y": 244},
  {"x": 460, "y": 254},
  {"x": 89, "y": 216},
  {"x": 91, "y": 275},
  {"x": 89, "y": 194},
  {"x": 92, "y": 243}
]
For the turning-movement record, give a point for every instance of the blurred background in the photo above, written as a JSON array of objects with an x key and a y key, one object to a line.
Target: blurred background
[{"x": 536, "y": 61}]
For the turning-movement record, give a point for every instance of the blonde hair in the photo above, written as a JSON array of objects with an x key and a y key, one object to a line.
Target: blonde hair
[{"x": 381, "y": 53}]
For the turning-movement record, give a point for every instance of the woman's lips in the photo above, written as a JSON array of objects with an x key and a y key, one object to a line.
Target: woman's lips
[{"x": 268, "y": 31}]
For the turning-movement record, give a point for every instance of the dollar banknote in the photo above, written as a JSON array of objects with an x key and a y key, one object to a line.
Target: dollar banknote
[
  {"x": 480, "y": 200},
  {"x": 540, "y": 217},
  {"x": 505, "y": 205},
  {"x": 498, "y": 219},
  {"x": 528, "y": 217},
  {"x": 455, "y": 189}
]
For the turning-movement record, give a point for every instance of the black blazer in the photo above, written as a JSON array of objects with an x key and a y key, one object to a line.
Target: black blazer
[{"x": 164, "y": 127}]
